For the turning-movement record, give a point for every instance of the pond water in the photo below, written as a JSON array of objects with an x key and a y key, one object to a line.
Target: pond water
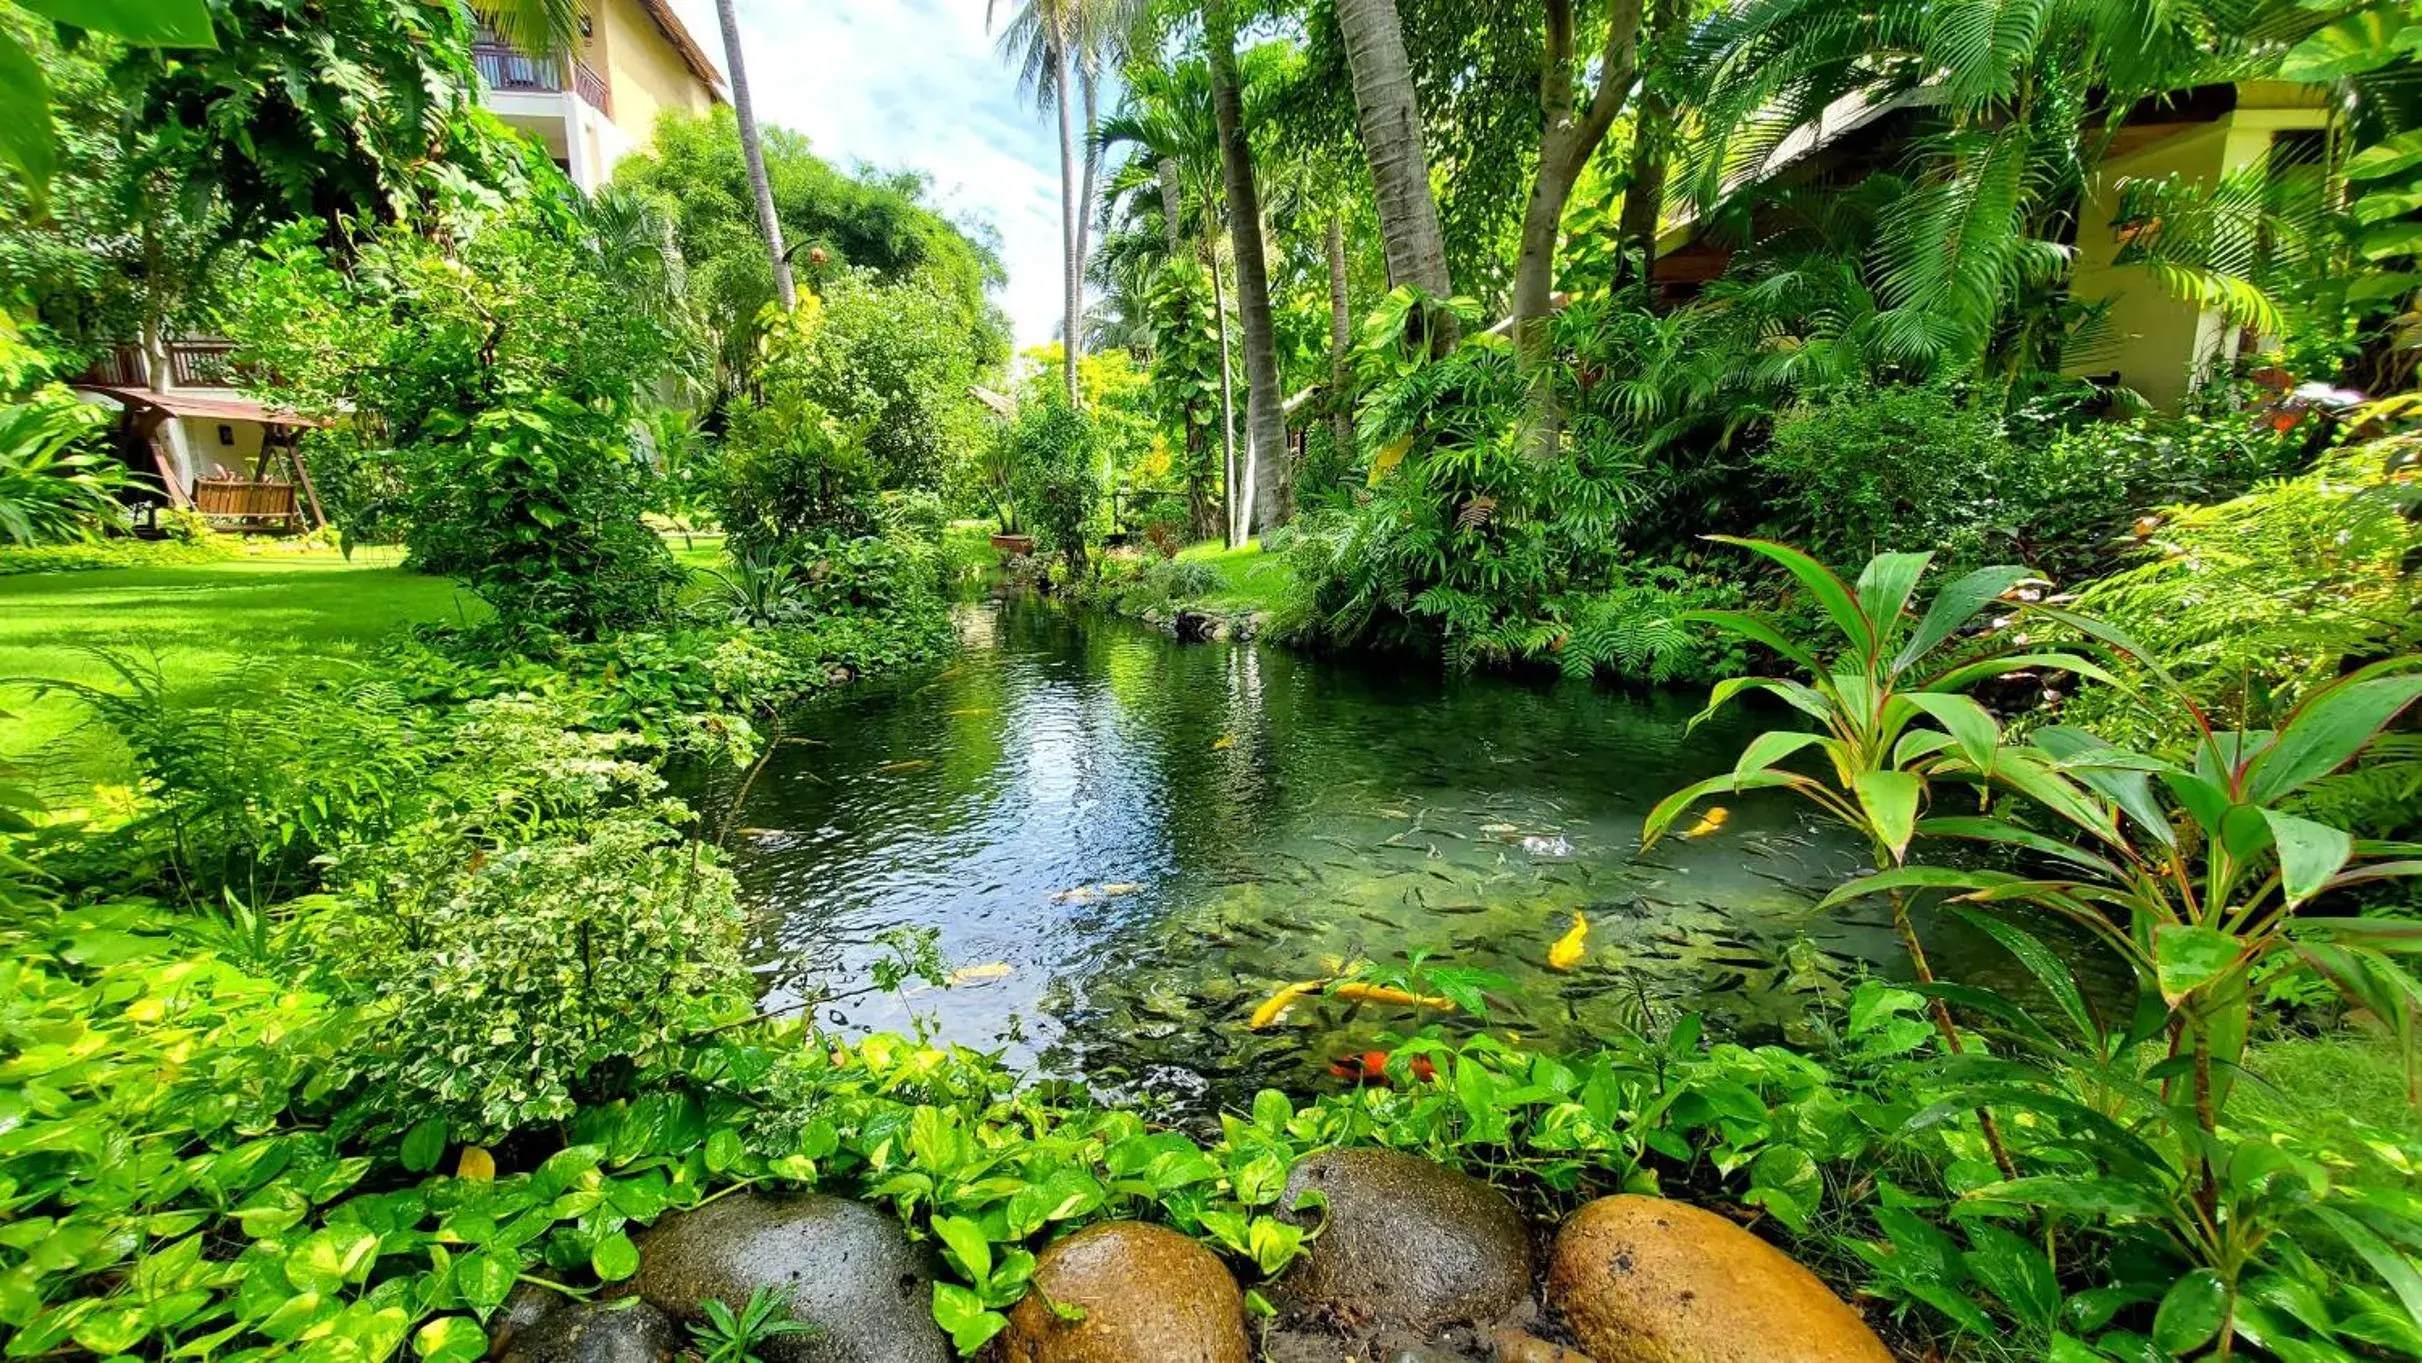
[{"x": 1127, "y": 845}]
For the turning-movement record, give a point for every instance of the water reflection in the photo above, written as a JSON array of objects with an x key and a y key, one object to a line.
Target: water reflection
[{"x": 1128, "y": 844}]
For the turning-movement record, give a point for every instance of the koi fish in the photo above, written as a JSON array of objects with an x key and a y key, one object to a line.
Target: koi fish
[
  {"x": 969, "y": 710},
  {"x": 1117, "y": 888},
  {"x": 1708, "y": 823},
  {"x": 1548, "y": 847},
  {"x": 912, "y": 764},
  {"x": 1567, "y": 951},
  {"x": 977, "y": 974},
  {"x": 1371, "y": 1067},
  {"x": 1380, "y": 993},
  {"x": 1226, "y": 741},
  {"x": 1276, "y": 1006}
]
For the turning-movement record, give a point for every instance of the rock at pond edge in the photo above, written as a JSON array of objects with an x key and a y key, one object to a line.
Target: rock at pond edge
[
  {"x": 1408, "y": 1242},
  {"x": 846, "y": 1268},
  {"x": 1647, "y": 1280},
  {"x": 1147, "y": 1293},
  {"x": 595, "y": 1332}
]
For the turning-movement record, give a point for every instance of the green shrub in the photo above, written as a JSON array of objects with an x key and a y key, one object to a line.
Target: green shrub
[
  {"x": 85, "y": 556},
  {"x": 1058, "y": 479},
  {"x": 55, "y": 483},
  {"x": 1892, "y": 467}
]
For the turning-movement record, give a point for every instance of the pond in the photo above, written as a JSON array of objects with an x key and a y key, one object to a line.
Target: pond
[{"x": 1127, "y": 845}]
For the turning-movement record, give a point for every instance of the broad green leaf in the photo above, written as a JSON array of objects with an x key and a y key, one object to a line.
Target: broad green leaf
[
  {"x": 2309, "y": 854},
  {"x": 140, "y": 23},
  {"x": 2123, "y": 778},
  {"x": 2094, "y": 1197},
  {"x": 2325, "y": 731},
  {"x": 1913, "y": 878},
  {"x": 1769, "y": 748},
  {"x": 450, "y": 1339},
  {"x": 962, "y": 1314},
  {"x": 615, "y": 1258},
  {"x": 2358, "y": 43},
  {"x": 26, "y": 140},
  {"x": 2049, "y": 970},
  {"x": 1980, "y": 829},
  {"x": 1830, "y": 591},
  {"x": 2186, "y": 958},
  {"x": 2394, "y": 1269},
  {"x": 1979, "y": 737},
  {"x": 424, "y": 1145},
  {"x": 1671, "y": 807},
  {"x": 2387, "y": 157},
  {"x": 2191, "y": 1312},
  {"x": 1968, "y": 674},
  {"x": 1890, "y": 799},
  {"x": 966, "y": 1241},
  {"x": 1884, "y": 588},
  {"x": 1759, "y": 631},
  {"x": 1955, "y": 605}
]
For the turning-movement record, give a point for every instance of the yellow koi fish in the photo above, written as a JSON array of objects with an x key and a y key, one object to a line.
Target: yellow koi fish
[
  {"x": 1276, "y": 1006},
  {"x": 1380, "y": 993},
  {"x": 1708, "y": 823},
  {"x": 1226, "y": 741},
  {"x": 1120, "y": 887},
  {"x": 976, "y": 974},
  {"x": 969, "y": 710},
  {"x": 1567, "y": 951}
]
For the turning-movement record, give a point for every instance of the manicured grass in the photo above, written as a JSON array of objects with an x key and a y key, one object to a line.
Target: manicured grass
[
  {"x": 1255, "y": 581},
  {"x": 198, "y": 624},
  {"x": 2351, "y": 1071}
]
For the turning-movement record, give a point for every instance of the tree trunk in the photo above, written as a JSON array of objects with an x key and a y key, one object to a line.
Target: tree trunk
[
  {"x": 1651, "y": 147},
  {"x": 1567, "y": 138},
  {"x": 1227, "y": 406},
  {"x": 1341, "y": 346},
  {"x": 752, "y": 150},
  {"x": 1173, "y": 208},
  {"x": 1074, "y": 268},
  {"x": 1265, "y": 419},
  {"x": 1400, "y": 168}
]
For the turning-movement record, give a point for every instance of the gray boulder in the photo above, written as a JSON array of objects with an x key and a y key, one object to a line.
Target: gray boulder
[
  {"x": 595, "y": 1332},
  {"x": 846, "y": 1268},
  {"x": 1409, "y": 1243}
]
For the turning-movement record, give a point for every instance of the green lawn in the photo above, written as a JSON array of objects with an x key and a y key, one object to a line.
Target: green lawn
[
  {"x": 1255, "y": 581},
  {"x": 198, "y": 623}
]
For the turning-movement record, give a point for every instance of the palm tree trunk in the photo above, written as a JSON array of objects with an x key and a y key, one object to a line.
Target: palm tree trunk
[
  {"x": 1073, "y": 273},
  {"x": 1341, "y": 342},
  {"x": 1227, "y": 407},
  {"x": 1392, "y": 142},
  {"x": 752, "y": 150},
  {"x": 1265, "y": 419},
  {"x": 1084, "y": 198}
]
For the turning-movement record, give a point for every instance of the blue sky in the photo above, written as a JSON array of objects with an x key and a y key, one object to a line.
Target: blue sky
[{"x": 914, "y": 83}]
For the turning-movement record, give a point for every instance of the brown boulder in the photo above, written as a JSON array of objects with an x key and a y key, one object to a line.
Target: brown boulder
[
  {"x": 1408, "y": 1243},
  {"x": 1146, "y": 1293},
  {"x": 1646, "y": 1280}
]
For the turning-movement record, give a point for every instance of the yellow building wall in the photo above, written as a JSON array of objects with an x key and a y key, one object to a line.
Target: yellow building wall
[
  {"x": 2160, "y": 345},
  {"x": 644, "y": 72}
]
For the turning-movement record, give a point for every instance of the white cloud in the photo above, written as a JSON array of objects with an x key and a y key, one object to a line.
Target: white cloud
[{"x": 915, "y": 84}]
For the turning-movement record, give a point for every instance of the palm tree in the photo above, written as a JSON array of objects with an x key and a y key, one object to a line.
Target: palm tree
[
  {"x": 1166, "y": 115},
  {"x": 752, "y": 149},
  {"x": 1390, "y": 119},
  {"x": 1061, "y": 49},
  {"x": 1265, "y": 419}
]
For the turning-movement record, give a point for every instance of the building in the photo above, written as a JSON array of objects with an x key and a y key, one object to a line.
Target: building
[
  {"x": 590, "y": 109},
  {"x": 2155, "y": 343}
]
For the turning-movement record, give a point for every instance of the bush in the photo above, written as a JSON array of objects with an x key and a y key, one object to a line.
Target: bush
[
  {"x": 94, "y": 555},
  {"x": 485, "y": 395},
  {"x": 1892, "y": 467},
  {"x": 1058, "y": 479},
  {"x": 55, "y": 483}
]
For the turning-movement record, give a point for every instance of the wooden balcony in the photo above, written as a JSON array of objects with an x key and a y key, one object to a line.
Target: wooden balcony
[
  {"x": 193, "y": 362},
  {"x": 504, "y": 68}
]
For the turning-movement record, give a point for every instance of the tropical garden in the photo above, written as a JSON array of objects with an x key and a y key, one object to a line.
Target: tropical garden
[{"x": 1765, "y": 648}]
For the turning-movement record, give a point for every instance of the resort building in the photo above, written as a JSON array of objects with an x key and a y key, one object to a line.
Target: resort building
[{"x": 600, "y": 103}]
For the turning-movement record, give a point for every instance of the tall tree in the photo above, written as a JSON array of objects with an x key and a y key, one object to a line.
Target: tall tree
[
  {"x": 1400, "y": 167},
  {"x": 1569, "y": 135},
  {"x": 754, "y": 149},
  {"x": 1265, "y": 418},
  {"x": 1653, "y": 133}
]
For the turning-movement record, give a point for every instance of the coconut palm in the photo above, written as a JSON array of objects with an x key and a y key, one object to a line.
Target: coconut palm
[
  {"x": 1265, "y": 418},
  {"x": 752, "y": 149},
  {"x": 1062, "y": 49},
  {"x": 1390, "y": 120}
]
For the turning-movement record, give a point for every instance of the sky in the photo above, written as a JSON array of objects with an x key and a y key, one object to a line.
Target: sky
[{"x": 914, "y": 84}]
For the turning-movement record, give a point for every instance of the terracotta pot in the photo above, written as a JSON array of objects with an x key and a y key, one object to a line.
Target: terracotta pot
[{"x": 1014, "y": 544}]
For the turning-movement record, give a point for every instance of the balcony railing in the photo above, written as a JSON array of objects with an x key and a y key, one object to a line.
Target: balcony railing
[
  {"x": 194, "y": 362},
  {"x": 503, "y": 67}
]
